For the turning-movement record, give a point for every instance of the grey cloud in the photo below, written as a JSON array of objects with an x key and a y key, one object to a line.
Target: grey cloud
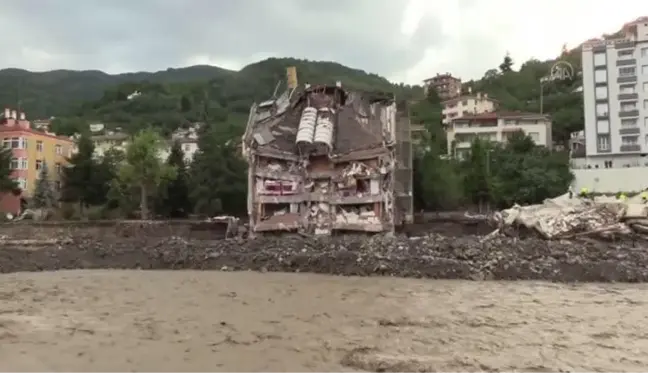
[{"x": 155, "y": 34}]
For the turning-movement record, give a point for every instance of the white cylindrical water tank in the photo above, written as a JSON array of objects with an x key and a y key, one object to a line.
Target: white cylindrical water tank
[
  {"x": 324, "y": 128},
  {"x": 7, "y": 113},
  {"x": 14, "y": 114},
  {"x": 306, "y": 130}
]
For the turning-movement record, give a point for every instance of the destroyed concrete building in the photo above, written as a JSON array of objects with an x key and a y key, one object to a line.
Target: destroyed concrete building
[{"x": 324, "y": 159}]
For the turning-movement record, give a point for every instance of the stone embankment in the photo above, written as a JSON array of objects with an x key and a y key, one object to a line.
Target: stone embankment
[{"x": 433, "y": 256}]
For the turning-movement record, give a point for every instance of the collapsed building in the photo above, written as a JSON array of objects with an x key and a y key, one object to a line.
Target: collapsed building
[{"x": 324, "y": 159}]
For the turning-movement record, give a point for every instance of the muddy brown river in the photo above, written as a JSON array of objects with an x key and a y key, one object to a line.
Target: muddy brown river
[{"x": 108, "y": 320}]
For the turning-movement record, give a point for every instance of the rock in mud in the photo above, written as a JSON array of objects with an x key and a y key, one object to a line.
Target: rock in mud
[{"x": 432, "y": 256}]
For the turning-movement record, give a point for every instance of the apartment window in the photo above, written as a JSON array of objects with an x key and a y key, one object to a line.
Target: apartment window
[
  {"x": 24, "y": 165},
  {"x": 59, "y": 149},
  {"x": 602, "y": 109},
  {"x": 58, "y": 168},
  {"x": 625, "y": 54},
  {"x": 39, "y": 146},
  {"x": 14, "y": 143},
  {"x": 603, "y": 142},
  {"x": 187, "y": 147},
  {"x": 39, "y": 164},
  {"x": 627, "y": 88},
  {"x": 600, "y": 76},
  {"x": 629, "y": 140},
  {"x": 464, "y": 102},
  {"x": 627, "y": 71},
  {"x": 603, "y": 126},
  {"x": 601, "y": 93},
  {"x": 607, "y": 164},
  {"x": 644, "y": 69},
  {"x": 22, "y": 183},
  {"x": 15, "y": 163},
  {"x": 600, "y": 59},
  {"x": 629, "y": 123},
  {"x": 535, "y": 136},
  {"x": 645, "y": 104},
  {"x": 628, "y": 105},
  {"x": 645, "y": 87},
  {"x": 644, "y": 52}
]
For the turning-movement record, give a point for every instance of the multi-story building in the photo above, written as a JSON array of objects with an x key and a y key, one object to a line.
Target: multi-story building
[
  {"x": 31, "y": 150},
  {"x": 467, "y": 105},
  {"x": 324, "y": 159},
  {"x": 446, "y": 85},
  {"x": 497, "y": 127},
  {"x": 615, "y": 94},
  {"x": 110, "y": 140}
]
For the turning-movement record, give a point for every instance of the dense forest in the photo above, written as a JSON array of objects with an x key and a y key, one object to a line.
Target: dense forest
[{"x": 221, "y": 98}]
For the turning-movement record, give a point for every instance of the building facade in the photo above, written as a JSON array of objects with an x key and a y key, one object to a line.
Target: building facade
[
  {"x": 31, "y": 150},
  {"x": 323, "y": 159},
  {"x": 496, "y": 127},
  {"x": 467, "y": 105},
  {"x": 615, "y": 94},
  {"x": 446, "y": 85}
]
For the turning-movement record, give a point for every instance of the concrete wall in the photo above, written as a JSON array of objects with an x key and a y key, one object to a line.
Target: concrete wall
[
  {"x": 113, "y": 229},
  {"x": 611, "y": 180}
]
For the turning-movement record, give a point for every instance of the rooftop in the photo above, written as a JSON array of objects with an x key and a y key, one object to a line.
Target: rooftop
[
  {"x": 503, "y": 115},
  {"x": 358, "y": 123}
]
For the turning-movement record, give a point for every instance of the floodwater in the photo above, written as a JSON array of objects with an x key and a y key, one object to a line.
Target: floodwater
[{"x": 108, "y": 320}]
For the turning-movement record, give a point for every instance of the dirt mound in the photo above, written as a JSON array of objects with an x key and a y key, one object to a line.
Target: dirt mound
[{"x": 433, "y": 256}]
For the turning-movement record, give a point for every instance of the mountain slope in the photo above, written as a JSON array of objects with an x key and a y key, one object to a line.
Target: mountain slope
[
  {"x": 43, "y": 94},
  {"x": 54, "y": 93}
]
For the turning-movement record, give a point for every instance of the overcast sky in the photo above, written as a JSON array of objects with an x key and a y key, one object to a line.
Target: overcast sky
[{"x": 404, "y": 40}]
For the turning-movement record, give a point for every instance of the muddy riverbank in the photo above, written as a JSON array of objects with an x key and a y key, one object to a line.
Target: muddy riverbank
[{"x": 433, "y": 256}]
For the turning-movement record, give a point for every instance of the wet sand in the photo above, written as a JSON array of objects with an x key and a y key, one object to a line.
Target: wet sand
[{"x": 109, "y": 320}]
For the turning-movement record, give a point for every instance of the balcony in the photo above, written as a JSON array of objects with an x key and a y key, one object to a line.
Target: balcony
[
  {"x": 628, "y": 96},
  {"x": 630, "y": 131},
  {"x": 627, "y": 62},
  {"x": 629, "y": 113},
  {"x": 627, "y": 79},
  {"x": 630, "y": 148}
]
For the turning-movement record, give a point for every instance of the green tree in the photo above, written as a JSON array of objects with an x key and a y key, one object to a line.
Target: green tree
[
  {"x": 478, "y": 173},
  {"x": 84, "y": 181},
  {"x": 174, "y": 199},
  {"x": 218, "y": 174},
  {"x": 526, "y": 173},
  {"x": 44, "y": 196},
  {"x": 143, "y": 170},
  {"x": 507, "y": 65},
  {"x": 7, "y": 184}
]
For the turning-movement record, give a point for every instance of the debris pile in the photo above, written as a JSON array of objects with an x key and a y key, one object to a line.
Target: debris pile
[
  {"x": 432, "y": 256},
  {"x": 565, "y": 218}
]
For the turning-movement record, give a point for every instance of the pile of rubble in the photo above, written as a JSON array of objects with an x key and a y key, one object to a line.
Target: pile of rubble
[
  {"x": 567, "y": 218},
  {"x": 432, "y": 256}
]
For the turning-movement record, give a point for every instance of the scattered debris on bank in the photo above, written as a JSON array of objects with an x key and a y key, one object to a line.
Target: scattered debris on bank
[
  {"x": 565, "y": 218},
  {"x": 431, "y": 256}
]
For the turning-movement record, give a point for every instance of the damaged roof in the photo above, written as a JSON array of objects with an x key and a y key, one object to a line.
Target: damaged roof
[{"x": 357, "y": 125}]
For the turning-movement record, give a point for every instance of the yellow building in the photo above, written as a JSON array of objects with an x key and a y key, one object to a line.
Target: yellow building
[{"x": 32, "y": 149}]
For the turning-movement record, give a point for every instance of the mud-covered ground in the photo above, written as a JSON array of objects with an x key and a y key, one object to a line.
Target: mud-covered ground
[
  {"x": 111, "y": 320},
  {"x": 433, "y": 256}
]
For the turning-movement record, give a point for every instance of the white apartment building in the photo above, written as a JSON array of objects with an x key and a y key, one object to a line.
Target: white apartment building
[
  {"x": 467, "y": 105},
  {"x": 615, "y": 94},
  {"x": 497, "y": 127}
]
